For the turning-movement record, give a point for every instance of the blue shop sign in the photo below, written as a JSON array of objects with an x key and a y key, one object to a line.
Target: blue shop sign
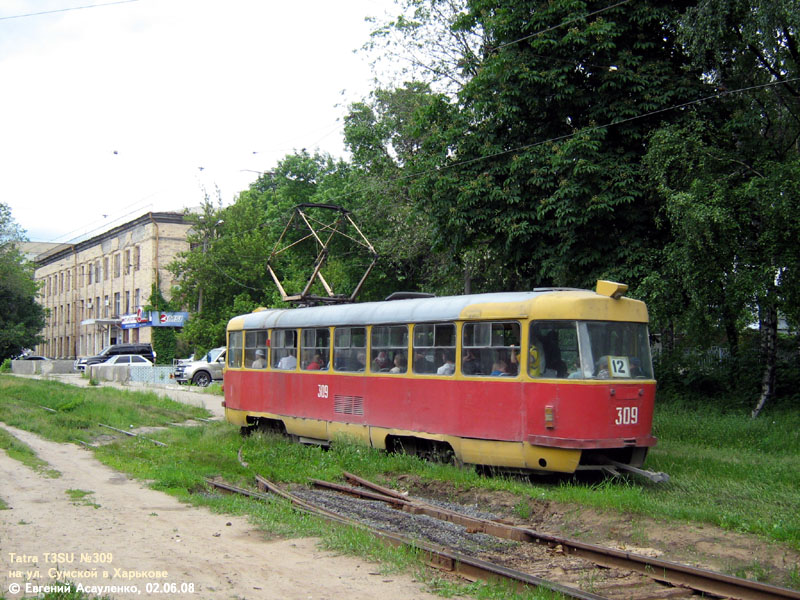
[
  {"x": 154, "y": 319},
  {"x": 168, "y": 319}
]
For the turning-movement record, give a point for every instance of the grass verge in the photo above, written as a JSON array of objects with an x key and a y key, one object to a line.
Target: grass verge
[{"x": 65, "y": 413}]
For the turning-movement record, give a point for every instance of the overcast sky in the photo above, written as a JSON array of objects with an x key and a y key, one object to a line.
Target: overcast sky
[{"x": 112, "y": 111}]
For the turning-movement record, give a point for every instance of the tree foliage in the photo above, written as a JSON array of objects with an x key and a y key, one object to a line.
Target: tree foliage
[
  {"x": 21, "y": 317},
  {"x": 431, "y": 41},
  {"x": 536, "y": 163}
]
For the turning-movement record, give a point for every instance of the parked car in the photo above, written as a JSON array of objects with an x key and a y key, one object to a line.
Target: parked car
[
  {"x": 32, "y": 357},
  {"x": 183, "y": 361},
  {"x": 145, "y": 350},
  {"x": 202, "y": 372},
  {"x": 128, "y": 359}
]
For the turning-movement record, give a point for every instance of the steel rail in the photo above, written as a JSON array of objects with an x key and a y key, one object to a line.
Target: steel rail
[
  {"x": 227, "y": 487},
  {"x": 673, "y": 573},
  {"x": 441, "y": 558},
  {"x": 132, "y": 434}
]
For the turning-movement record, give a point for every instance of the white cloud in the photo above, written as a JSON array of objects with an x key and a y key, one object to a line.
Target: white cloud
[{"x": 170, "y": 86}]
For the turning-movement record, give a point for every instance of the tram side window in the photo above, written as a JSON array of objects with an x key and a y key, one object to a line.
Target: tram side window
[
  {"x": 435, "y": 348},
  {"x": 490, "y": 348},
  {"x": 235, "y": 349},
  {"x": 255, "y": 349},
  {"x": 284, "y": 349},
  {"x": 553, "y": 350},
  {"x": 389, "y": 349},
  {"x": 315, "y": 349},
  {"x": 350, "y": 348}
]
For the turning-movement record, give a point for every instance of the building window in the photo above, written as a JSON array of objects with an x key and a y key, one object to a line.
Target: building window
[
  {"x": 89, "y": 279},
  {"x": 127, "y": 303},
  {"x": 105, "y": 306},
  {"x": 61, "y": 283},
  {"x": 136, "y": 253},
  {"x": 116, "y": 304},
  {"x": 97, "y": 272},
  {"x": 136, "y": 299},
  {"x": 105, "y": 269},
  {"x": 116, "y": 265},
  {"x": 127, "y": 261}
]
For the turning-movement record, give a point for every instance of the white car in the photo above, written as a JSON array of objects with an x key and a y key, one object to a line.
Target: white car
[{"x": 128, "y": 359}]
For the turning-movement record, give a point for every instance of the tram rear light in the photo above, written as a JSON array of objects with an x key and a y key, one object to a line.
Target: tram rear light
[{"x": 549, "y": 418}]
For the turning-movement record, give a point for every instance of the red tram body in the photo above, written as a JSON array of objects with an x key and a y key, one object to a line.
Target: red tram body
[{"x": 548, "y": 380}]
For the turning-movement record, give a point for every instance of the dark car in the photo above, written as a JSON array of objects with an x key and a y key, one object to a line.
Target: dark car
[
  {"x": 32, "y": 357},
  {"x": 145, "y": 350}
]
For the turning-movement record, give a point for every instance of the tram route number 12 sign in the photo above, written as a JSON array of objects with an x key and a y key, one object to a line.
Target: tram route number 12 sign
[{"x": 618, "y": 366}]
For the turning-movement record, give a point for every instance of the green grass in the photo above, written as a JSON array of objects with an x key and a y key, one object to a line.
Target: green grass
[
  {"x": 81, "y": 498},
  {"x": 20, "y": 451},
  {"x": 725, "y": 469},
  {"x": 79, "y": 411}
]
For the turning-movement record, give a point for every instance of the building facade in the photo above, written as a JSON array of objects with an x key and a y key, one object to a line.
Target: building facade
[{"x": 92, "y": 288}]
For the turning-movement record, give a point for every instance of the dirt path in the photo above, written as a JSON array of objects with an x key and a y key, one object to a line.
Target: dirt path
[{"x": 154, "y": 539}]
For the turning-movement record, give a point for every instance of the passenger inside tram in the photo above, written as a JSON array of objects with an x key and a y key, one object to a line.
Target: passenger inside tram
[
  {"x": 260, "y": 362},
  {"x": 400, "y": 363}
]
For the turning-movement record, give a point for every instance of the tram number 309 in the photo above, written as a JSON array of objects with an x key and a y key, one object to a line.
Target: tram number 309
[
  {"x": 322, "y": 391},
  {"x": 627, "y": 415}
]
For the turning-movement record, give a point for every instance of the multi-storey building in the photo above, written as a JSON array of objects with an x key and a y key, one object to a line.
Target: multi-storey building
[{"x": 89, "y": 286}]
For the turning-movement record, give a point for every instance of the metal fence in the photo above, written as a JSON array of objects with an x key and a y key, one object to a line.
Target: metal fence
[{"x": 160, "y": 375}]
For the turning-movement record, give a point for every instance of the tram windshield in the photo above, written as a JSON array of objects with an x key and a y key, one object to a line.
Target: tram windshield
[{"x": 589, "y": 350}]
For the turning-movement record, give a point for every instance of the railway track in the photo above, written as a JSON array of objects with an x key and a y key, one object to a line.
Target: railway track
[{"x": 478, "y": 547}]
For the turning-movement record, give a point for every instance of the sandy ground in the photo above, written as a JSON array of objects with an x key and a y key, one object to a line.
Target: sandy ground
[{"x": 140, "y": 537}]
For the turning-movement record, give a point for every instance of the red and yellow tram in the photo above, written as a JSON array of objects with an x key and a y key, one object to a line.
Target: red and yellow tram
[{"x": 546, "y": 380}]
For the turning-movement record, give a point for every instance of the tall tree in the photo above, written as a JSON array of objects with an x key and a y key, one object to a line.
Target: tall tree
[
  {"x": 730, "y": 179},
  {"x": 21, "y": 317},
  {"x": 431, "y": 41},
  {"x": 538, "y": 160},
  {"x": 388, "y": 139}
]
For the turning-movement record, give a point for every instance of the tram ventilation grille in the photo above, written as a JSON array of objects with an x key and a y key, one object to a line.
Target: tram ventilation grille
[{"x": 348, "y": 405}]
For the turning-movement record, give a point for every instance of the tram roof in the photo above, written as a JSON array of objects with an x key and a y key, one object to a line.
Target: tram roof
[{"x": 509, "y": 305}]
